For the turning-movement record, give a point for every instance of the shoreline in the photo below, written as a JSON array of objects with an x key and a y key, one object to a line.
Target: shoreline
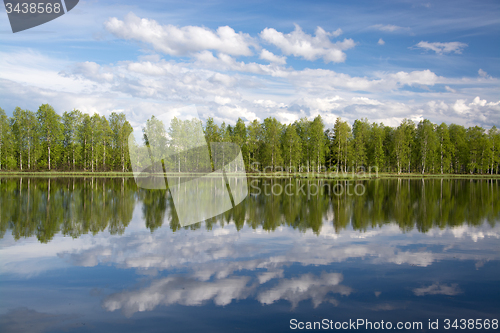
[{"x": 274, "y": 175}]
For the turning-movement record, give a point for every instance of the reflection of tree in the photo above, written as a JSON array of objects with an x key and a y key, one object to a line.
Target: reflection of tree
[
  {"x": 76, "y": 206},
  {"x": 412, "y": 204},
  {"x": 154, "y": 206},
  {"x": 72, "y": 206}
]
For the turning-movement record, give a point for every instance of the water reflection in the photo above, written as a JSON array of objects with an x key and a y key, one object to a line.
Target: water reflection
[
  {"x": 77, "y": 206},
  {"x": 270, "y": 259},
  {"x": 72, "y": 206}
]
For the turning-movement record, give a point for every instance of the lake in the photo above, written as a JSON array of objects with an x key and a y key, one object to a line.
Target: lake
[{"x": 101, "y": 255}]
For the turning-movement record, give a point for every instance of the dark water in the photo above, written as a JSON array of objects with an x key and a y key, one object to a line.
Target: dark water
[{"x": 101, "y": 255}]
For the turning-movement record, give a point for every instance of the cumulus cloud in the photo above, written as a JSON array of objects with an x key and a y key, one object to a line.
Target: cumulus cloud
[
  {"x": 271, "y": 57},
  {"x": 440, "y": 48},
  {"x": 226, "y": 89},
  {"x": 232, "y": 113},
  {"x": 438, "y": 289},
  {"x": 460, "y": 107},
  {"x": 479, "y": 109},
  {"x": 92, "y": 71},
  {"x": 179, "y": 41},
  {"x": 380, "y": 42},
  {"x": 300, "y": 44}
]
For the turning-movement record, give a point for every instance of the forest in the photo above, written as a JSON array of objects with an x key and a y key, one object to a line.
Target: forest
[{"x": 46, "y": 141}]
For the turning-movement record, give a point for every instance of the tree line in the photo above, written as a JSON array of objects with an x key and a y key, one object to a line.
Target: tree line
[
  {"x": 44, "y": 140},
  {"x": 307, "y": 146}
]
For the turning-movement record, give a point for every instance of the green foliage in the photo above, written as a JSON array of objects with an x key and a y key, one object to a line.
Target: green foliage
[
  {"x": 341, "y": 144},
  {"x": 253, "y": 142},
  {"x": 51, "y": 134},
  {"x": 375, "y": 143},
  {"x": 317, "y": 143},
  {"x": 426, "y": 140},
  {"x": 271, "y": 152},
  {"x": 292, "y": 148},
  {"x": 444, "y": 148},
  {"x": 6, "y": 143},
  {"x": 75, "y": 141}
]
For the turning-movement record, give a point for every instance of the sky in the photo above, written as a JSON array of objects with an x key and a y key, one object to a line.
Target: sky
[{"x": 384, "y": 61}]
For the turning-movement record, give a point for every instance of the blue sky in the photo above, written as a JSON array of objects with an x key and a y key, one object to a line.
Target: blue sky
[{"x": 384, "y": 60}]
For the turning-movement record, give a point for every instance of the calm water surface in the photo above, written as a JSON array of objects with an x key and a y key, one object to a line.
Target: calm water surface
[{"x": 101, "y": 255}]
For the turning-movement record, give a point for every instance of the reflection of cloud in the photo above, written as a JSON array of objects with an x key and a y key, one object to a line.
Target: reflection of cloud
[
  {"x": 225, "y": 250},
  {"x": 461, "y": 231},
  {"x": 306, "y": 287},
  {"x": 386, "y": 307},
  {"x": 437, "y": 289},
  {"x": 264, "y": 277},
  {"x": 422, "y": 259},
  {"x": 30, "y": 321},
  {"x": 178, "y": 290}
]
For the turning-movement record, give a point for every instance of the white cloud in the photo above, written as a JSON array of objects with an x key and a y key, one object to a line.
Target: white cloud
[
  {"x": 92, "y": 71},
  {"x": 300, "y": 44},
  {"x": 249, "y": 90},
  {"x": 224, "y": 62},
  {"x": 271, "y": 57},
  {"x": 380, "y": 42},
  {"x": 440, "y": 48},
  {"x": 326, "y": 80},
  {"x": 450, "y": 89},
  {"x": 460, "y": 107},
  {"x": 425, "y": 77},
  {"x": 483, "y": 73},
  {"x": 269, "y": 103},
  {"x": 438, "y": 289},
  {"x": 230, "y": 114},
  {"x": 322, "y": 104},
  {"x": 388, "y": 27},
  {"x": 479, "y": 101},
  {"x": 222, "y": 100},
  {"x": 180, "y": 41}
]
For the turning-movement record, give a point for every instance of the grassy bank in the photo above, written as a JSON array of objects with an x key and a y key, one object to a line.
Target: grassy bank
[
  {"x": 380, "y": 175},
  {"x": 59, "y": 174},
  {"x": 300, "y": 175}
]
